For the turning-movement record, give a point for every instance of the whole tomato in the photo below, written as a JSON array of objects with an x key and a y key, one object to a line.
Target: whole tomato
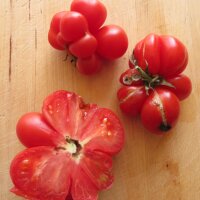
[
  {"x": 81, "y": 33},
  {"x": 155, "y": 69}
]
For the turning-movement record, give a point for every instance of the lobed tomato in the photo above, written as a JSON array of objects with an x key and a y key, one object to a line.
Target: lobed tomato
[
  {"x": 112, "y": 42},
  {"x": 160, "y": 111},
  {"x": 73, "y": 160},
  {"x": 93, "y": 10},
  {"x": 79, "y": 32},
  {"x": 154, "y": 84}
]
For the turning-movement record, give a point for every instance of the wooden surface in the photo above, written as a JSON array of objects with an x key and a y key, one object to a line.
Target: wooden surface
[{"x": 149, "y": 167}]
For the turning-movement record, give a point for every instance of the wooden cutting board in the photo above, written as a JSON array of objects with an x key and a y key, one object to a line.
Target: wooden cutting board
[{"x": 149, "y": 167}]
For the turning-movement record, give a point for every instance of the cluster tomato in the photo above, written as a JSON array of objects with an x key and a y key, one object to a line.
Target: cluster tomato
[
  {"x": 154, "y": 84},
  {"x": 70, "y": 148},
  {"x": 80, "y": 32}
]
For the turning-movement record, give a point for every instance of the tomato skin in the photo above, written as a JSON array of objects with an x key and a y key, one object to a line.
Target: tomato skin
[
  {"x": 33, "y": 130},
  {"x": 84, "y": 47},
  {"x": 89, "y": 66},
  {"x": 161, "y": 103},
  {"x": 165, "y": 55},
  {"x": 131, "y": 99},
  {"x": 112, "y": 42},
  {"x": 55, "y": 22},
  {"x": 182, "y": 84},
  {"x": 93, "y": 10},
  {"x": 54, "y": 42},
  {"x": 127, "y": 74},
  {"x": 73, "y": 26},
  {"x": 147, "y": 52},
  {"x": 173, "y": 56}
]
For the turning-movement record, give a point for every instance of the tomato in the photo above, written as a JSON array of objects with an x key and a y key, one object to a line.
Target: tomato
[
  {"x": 93, "y": 10},
  {"x": 163, "y": 55},
  {"x": 182, "y": 86},
  {"x": 153, "y": 82},
  {"x": 160, "y": 111},
  {"x": 54, "y": 41},
  {"x": 73, "y": 26},
  {"x": 112, "y": 42},
  {"x": 131, "y": 77},
  {"x": 89, "y": 65},
  {"x": 84, "y": 47},
  {"x": 131, "y": 99},
  {"x": 83, "y": 138}
]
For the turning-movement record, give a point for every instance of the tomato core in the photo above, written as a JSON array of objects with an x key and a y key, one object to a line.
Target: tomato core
[{"x": 71, "y": 146}]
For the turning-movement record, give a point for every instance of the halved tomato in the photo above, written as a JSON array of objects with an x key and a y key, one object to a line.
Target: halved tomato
[{"x": 78, "y": 165}]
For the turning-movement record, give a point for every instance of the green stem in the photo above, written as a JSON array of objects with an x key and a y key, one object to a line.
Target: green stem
[{"x": 143, "y": 74}]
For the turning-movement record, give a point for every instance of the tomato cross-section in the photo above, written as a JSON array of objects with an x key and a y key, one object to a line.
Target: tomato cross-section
[{"x": 74, "y": 156}]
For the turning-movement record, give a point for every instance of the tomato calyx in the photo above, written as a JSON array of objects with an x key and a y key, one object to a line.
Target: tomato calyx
[{"x": 149, "y": 81}]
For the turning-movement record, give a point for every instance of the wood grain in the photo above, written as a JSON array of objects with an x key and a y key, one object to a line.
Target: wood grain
[{"x": 149, "y": 167}]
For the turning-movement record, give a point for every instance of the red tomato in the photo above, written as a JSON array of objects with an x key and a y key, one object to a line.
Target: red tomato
[
  {"x": 131, "y": 99},
  {"x": 84, "y": 47},
  {"x": 93, "y": 10},
  {"x": 164, "y": 55},
  {"x": 54, "y": 41},
  {"x": 82, "y": 157},
  {"x": 89, "y": 65},
  {"x": 160, "y": 111},
  {"x": 73, "y": 26},
  {"x": 131, "y": 77},
  {"x": 112, "y": 42},
  {"x": 182, "y": 86}
]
